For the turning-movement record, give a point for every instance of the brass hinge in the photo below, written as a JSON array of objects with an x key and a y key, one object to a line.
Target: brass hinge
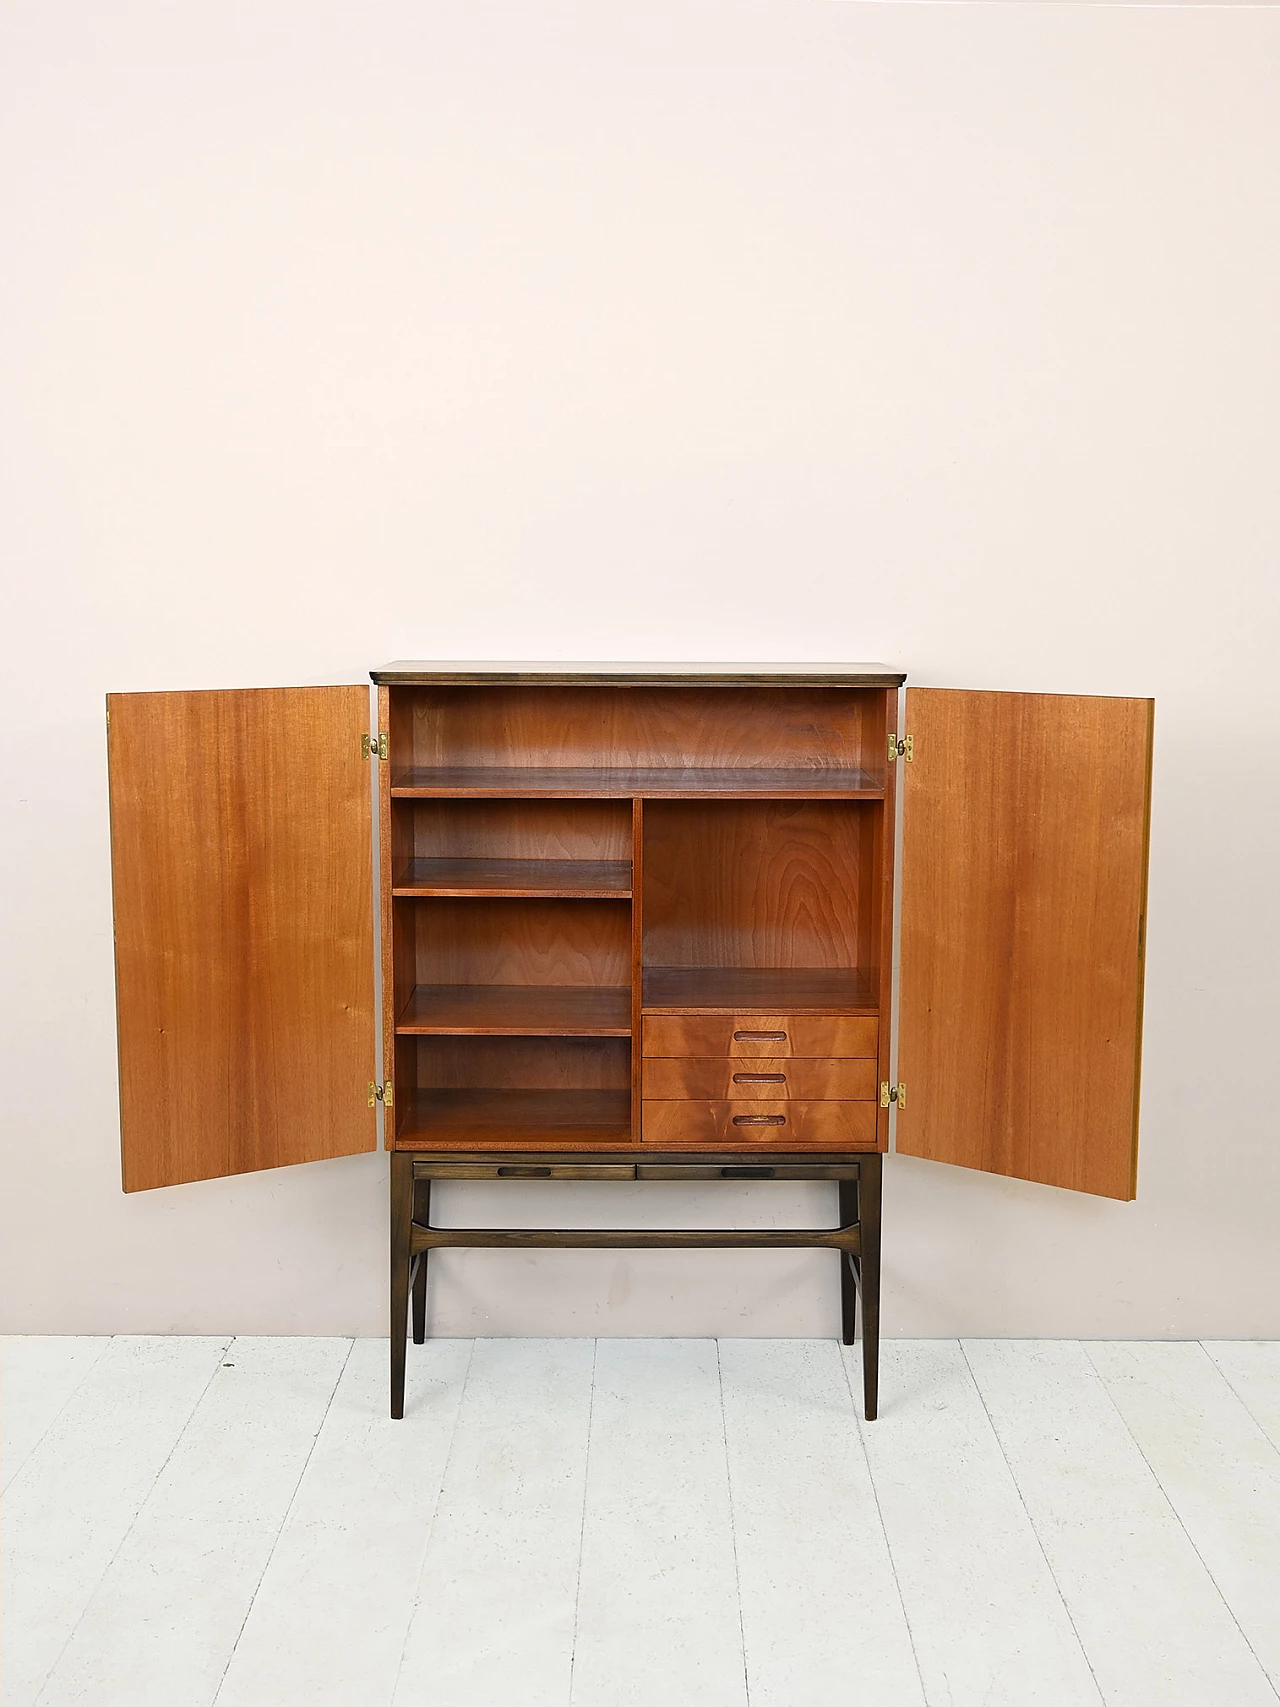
[
  {"x": 901, "y": 749},
  {"x": 380, "y": 1093},
  {"x": 895, "y": 1094},
  {"x": 368, "y": 746}
]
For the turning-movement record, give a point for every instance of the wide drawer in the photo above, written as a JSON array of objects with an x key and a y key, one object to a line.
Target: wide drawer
[
  {"x": 761, "y": 1034},
  {"x": 780, "y": 1078},
  {"x": 841, "y": 1125}
]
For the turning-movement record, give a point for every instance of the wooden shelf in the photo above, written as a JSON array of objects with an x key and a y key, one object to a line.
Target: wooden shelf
[
  {"x": 508, "y": 1119},
  {"x": 541, "y": 878},
  {"x": 517, "y": 1010},
  {"x": 724, "y": 783},
  {"x": 756, "y": 989}
]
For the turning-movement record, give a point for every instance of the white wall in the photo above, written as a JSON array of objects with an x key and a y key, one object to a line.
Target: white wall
[{"x": 940, "y": 334}]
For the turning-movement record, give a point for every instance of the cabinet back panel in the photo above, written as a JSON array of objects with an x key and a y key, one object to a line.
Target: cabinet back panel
[
  {"x": 516, "y": 829},
  {"x": 519, "y": 942},
  {"x": 520, "y": 1063},
  {"x": 755, "y": 883},
  {"x": 639, "y": 727}
]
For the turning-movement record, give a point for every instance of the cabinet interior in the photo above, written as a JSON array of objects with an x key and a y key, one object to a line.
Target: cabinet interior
[{"x": 562, "y": 860}]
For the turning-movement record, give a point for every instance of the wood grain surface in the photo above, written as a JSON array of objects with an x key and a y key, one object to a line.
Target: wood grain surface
[
  {"x": 549, "y": 673},
  {"x": 393, "y": 844},
  {"x": 754, "y": 883},
  {"x": 529, "y": 878},
  {"x": 521, "y": 1063},
  {"x": 881, "y": 861},
  {"x": 783, "y": 1078},
  {"x": 482, "y": 1119},
  {"x": 1023, "y": 922},
  {"x": 529, "y": 941},
  {"x": 522, "y": 1010},
  {"x": 513, "y": 829},
  {"x": 644, "y": 727},
  {"x": 760, "y": 1035},
  {"x": 243, "y": 889},
  {"x": 757, "y": 990},
  {"x": 584, "y": 782},
  {"x": 637, "y": 957},
  {"x": 738, "y": 1125}
]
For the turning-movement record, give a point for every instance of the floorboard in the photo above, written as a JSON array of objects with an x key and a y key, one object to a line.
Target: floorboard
[
  {"x": 817, "y": 1583},
  {"x": 658, "y": 1614},
  {"x": 68, "y": 1510},
  {"x": 1218, "y": 1469},
  {"x": 328, "y": 1622},
  {"x": 989, "y": 1624},
  {"x": 1251, "y": 1369},
  {"x": 38, "y": 1375},
  {"x": 626, "y": 1523},
  {"x": 1147, "y": 1612},
  {"x": 493, "y": 1620},
  {"x": 164, "y": 1620}
]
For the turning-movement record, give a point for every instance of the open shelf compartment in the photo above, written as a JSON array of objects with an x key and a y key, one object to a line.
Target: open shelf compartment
[
  {"x": 513, "y": 1092},
  {"x": 770, "y": 907},
  {"x": 619, "y": 743},
  {"x": 513, "y": 966},
  {"x": 511, "y": 848}
]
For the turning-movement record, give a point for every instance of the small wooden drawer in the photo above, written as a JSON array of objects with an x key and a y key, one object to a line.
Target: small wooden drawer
[
  {"x": 753, "y": 1035},
  {"x": 783, "y": 1078},
  {"x": 689, "y": 1125},
  {"x": 522, "y": 1167}
]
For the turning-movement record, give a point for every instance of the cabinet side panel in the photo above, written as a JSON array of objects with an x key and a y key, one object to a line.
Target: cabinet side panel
[
  {"x": 1024, "y": 886},
  {"x": 393, "y": 846},
  {"x": 241, "y": 866},
  {"x": 884, "y": 866}
]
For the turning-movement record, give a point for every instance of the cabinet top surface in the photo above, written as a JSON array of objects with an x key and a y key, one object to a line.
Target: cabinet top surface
[{"x": 460, "y": 674}]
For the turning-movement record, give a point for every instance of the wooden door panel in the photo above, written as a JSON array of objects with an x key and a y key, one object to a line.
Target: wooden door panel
[
  {"x": 241, "y": 868},
  {"x": 1023, "y": 923}
]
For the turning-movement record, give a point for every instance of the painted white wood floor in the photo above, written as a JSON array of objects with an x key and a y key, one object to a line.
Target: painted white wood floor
[{"x": 1029, "y": 1524}]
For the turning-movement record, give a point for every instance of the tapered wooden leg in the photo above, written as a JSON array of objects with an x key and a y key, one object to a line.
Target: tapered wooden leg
[
  {"x": 848, "y": 1190},
  {"x": 401, "y": 1223},
  {"x": 422, "y": 1214},
  {"x": 869, "y": 1169}
]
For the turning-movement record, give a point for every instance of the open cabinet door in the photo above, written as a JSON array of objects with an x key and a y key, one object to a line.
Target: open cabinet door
[
  {"x": 1024, "y": 881},
  {"x": 241, "y": 867}
]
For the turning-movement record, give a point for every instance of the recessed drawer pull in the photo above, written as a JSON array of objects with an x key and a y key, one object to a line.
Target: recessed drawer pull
[
  {"x": 524, "y": 1173},
  {"x": 759, "y": 1037},
  {"x": 759, "y": 1078},
  {"x": 759, "y": 1120},
  {"x": 746, "y": 1173}
]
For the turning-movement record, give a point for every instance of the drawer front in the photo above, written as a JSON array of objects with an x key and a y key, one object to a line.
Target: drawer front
[
  {"x": 782, "y": 1078},
  {"x": 739, "y": 1125},
  {"x": 755, "y": 1035}
]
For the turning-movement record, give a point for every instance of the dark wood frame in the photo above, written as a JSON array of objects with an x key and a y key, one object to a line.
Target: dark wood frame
[{"x": 856, "y": 1237}]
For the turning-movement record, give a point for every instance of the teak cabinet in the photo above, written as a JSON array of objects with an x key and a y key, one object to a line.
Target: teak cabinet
[{"x": 636, "y": 921}]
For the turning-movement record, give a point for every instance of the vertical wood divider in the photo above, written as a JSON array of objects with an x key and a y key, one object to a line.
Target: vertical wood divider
[{"x": 637, "y": 964}]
